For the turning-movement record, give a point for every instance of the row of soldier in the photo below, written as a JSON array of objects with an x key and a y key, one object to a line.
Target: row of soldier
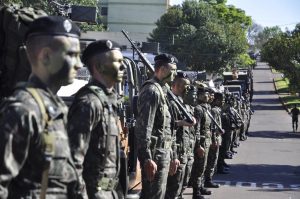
[
  {"x": 175, "y": 154},
  {"x": 48, "y": 151}
]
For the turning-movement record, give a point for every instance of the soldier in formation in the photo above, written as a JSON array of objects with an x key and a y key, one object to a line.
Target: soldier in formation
[
  {"x": 35, "y": 158},
  {"x": 94, "y": 141},
  {"x": 77, "y": 155},
  {"x": 182, "y": 133},
  {"x": 154, "y": 130}
]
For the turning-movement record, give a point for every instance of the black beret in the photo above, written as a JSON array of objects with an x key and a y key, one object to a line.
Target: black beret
[
  {"x": 218, "y": 95},
  {"x": 97, "y": 47},
  {"x": 53, "y": 25},
  {"x": 166, "y": 58},
  {"x": 181, "y": 74}
]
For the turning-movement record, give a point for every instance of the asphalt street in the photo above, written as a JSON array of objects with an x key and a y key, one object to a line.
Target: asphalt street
[{"x": 267, "y": 165}]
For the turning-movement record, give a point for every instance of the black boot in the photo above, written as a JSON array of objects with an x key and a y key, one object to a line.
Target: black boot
[
  {"x": 197, "y": 193},
  {"x": 211, "y": 184},
  {"x": 204, "y": 191}
]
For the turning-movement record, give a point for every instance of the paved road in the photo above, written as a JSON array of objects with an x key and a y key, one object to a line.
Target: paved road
[{"x": 267, "y": 165}]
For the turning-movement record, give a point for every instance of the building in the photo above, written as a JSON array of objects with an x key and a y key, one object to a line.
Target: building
[{"x": 136, "y": 16}]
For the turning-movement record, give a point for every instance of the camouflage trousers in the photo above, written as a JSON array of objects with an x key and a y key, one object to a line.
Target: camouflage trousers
[
  {"x": 226, "y": 140},
  {"x": 198, "y": 168},
  {"x": 156, "y": 189},
  {"x": 187, "y": 173},
  {"x": 212, "y": 160},
  {"x": 175, "y": 182}
]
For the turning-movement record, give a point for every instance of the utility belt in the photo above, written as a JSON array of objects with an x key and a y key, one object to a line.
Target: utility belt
[
  {"x": 164, "y": 145},
  {"x": 157, "y": 143},
  {"x": 107, "y": 184}
]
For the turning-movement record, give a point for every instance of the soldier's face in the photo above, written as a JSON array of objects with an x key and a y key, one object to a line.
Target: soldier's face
[
  {"x": 64, "y": 60},
  {"x": 170, "y": 71},
  {"x": 112, "y": 65},
  {"x": 203, "y": 97}
]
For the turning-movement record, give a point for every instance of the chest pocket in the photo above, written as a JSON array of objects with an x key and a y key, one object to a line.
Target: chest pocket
[
  {"x": 107, "y": 136},
  {"x": 57, "y": 164}
]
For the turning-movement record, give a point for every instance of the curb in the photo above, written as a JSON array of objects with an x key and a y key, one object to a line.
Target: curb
[{"x": 280, "y": 99}]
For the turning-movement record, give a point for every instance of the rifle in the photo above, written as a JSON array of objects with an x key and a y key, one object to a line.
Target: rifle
[
  {"x": 214, "y": 121},
  {"x": 149, "y": 66}
]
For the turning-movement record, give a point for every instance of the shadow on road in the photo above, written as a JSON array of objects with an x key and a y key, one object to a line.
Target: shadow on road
[
  {"x": 264, "y": 93},
  {"x": 262, "y": 69},
  {"x": 264, "y": 82},
  {"x": 277, "y": 177},
  {"x": 263, "y": 107},
  {"x": 274, "y": 134}
]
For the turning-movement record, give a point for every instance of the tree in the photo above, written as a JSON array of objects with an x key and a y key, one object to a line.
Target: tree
[
  {"x": 199, "y": 36},
  {"x": 267, "y": 33},
  {"x": 51, "y": 7},
  {"x": 252, "y": 34},
  {"x": 282, "y": 52}
]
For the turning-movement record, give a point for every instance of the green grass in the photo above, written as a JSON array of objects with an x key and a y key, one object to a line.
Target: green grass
[
  {"x": 282, "y": 85},
  {"x": 290, "y": 100},
  {"x": 274, "y": 71}
]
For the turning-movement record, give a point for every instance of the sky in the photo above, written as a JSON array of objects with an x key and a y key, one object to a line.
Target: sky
[{"x": 283, "y": 13}]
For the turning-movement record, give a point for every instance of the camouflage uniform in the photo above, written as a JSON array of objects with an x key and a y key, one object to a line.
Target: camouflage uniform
[
  {"x": 203, "y": 139},
  {"x": 190, "y": 153},
  {"x": 24, "y": 136},
  {"x": 154, "y": 123},
  {"x": 93, "y": 133},
  {"x": 175, "y": 182},
  {"x": 213, "y": 151}
]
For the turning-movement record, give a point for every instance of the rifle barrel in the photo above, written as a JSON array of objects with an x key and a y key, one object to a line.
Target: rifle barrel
[{"x": 149, "y": 66}]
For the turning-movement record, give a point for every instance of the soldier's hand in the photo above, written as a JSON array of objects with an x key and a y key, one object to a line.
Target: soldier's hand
[
  {"x": 150, "y": 168},
  {"x": 173, "y": 167},
  {"x": 185, "y": 123},
  {"x": 200, "y": 152}
]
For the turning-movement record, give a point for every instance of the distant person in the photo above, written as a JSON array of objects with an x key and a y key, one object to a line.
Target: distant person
[
  {"x": 295, "y": 112},
  {"x": 235, "y": 73}
]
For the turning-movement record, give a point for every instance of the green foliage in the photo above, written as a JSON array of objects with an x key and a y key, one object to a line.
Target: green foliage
[
  {"x": 263, "y": 36},
  {"x": 282, "y": 53},
  {"x": 244, "y": 60},
  {"x": 51, "y": 9},
  {"x": 203, "y": 34}
]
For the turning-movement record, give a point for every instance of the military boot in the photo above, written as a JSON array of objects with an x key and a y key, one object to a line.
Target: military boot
[
  {"x": 197, "y": 193},
  {"x": 204, "y": 191},
  {"x": 210, "y": 184}
]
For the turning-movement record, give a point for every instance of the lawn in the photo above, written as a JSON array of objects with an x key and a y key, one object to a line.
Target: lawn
[{"x": 282, "y": 85}]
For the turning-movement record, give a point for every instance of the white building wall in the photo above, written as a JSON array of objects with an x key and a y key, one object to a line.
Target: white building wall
[{"x": 135, "y": 15}]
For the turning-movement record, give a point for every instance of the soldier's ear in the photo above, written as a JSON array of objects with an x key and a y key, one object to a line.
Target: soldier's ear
[{"x": 45, "y": 56}]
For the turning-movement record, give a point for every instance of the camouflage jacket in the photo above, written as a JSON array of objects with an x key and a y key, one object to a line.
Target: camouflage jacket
[
  {"x": 93, "y": 133},
  {"x": 216, "y": 113},
  {"x": 150, "y": 120},
  {"x": 202, "y": 128},
  {"x": 22, "y": 144},
  {"x": 181, "y": 132}
]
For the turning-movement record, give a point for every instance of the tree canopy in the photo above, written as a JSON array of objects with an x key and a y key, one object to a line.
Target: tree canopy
[
  {"x": 50, "y": 8},
  {"x": 203, "y": 34},
  {"x": 282, "y": 51}
]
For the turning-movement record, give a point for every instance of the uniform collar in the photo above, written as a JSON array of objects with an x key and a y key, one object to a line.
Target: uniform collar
[{"x": 100, "y": 85}]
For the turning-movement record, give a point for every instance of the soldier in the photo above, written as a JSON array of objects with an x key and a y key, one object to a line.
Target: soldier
[
  {"x": 182, "y": 131},
  {"x": 203, "y": 142},
  {"x": 189, "y": 99},
  {"x": 156, "y": 144},
  {"x": 216, "y": 141},
  {"x": 35, "y": 155},
  {"x": 93, "y": 121}
]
